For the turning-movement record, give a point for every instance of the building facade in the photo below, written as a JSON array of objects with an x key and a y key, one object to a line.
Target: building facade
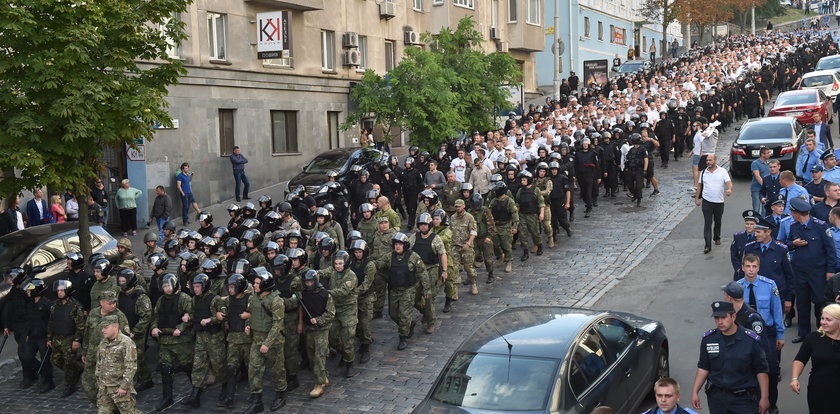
[
  {"x": 596, "y": 30},
  {"x": 284, "y": 111}
]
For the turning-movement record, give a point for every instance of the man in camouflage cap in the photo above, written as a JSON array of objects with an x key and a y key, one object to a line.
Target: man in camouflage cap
[
  {"x": 117, "y": 356},
  {"x": 93, "y": 336}
]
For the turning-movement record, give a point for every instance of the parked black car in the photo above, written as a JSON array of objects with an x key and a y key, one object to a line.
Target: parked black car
[
  {"x": 543, "y": 359},
  {"x": 782, "y": 134},
  {"x": 314, "y": 174}
]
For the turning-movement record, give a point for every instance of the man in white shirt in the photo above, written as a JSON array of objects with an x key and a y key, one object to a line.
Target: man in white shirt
[
  {"x": 714, "y": 184},
  {"x": 459, "y": 167}
]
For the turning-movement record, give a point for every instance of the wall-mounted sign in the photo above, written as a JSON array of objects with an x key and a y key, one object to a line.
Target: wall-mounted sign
[{"x": 274, "y": 35}]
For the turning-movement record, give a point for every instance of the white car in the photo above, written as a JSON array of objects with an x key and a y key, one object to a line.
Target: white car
[{"x": 827, "y": 81}]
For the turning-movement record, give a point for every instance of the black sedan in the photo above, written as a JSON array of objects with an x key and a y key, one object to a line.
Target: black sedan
[
  {"x": 340, "y": 159},
  {"x": 782, "y": 134},
  {"x": 543, "y": 359}
]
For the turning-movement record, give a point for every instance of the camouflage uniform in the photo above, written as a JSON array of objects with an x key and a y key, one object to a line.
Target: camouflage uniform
[
  {"x": 99, "y": 287},
  {"x": 392, "y": 217},
  {"x": 255, "y": 258},
  {"x": 209, "y": 353},
  {"x": 344, "y": 291},
  {"x": 317, "y": 336},
  {"x": 529, "y": 225},
  {"x": 463, "y": 227},
  {"x": 380, "y": 246},
  {"x": 137, "y": 307},
  {"x": 486, "y": 230},
  {"x": 432, "y": 262},
  {"x": 402, "y": 291},
  {"x": 267, "y": 314},
  {"x": 66, "y": 325},
  {"x": 339, "y": 234},
  {"x": 368, "y": 229},
  {"x": 175, "y": 351},
  {"x": 544, "y": 186},
  {"x": 450, "y": 289},
  {"x": 90, "y": 343},
  {"x": 115, "y": 371},
  {"x": 326, "y": 228},
  {"x": 289, "y": 290},
  {"x": 451, "y": 192},
  {"x": 290, "y": 224},
  {"x": 365, "y": 272},
  {"x": 506, "y": 218},
  {"x": 238, "y": 342}
]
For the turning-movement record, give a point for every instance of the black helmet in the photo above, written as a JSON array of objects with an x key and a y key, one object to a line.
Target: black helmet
[
  {"x": 328, "y": 244},
  {"x": 221, "y": 232},
  {"x": 424, "y": 154},
  {"x": 234, "y": 208},
  {"x": 511, "y": 167},
  {"x": 189, "y": 260},
  {"x": 271, "y": 219},
  {"x": 635, "y": 138},
  {"x": 183, "y": 234},
  {"x": 343, "y": 256},
  {"x": 499, "y": 188},
  {"x": 285, "y": 207},
  {"x": 241, "y": 266},
  {"x": 210, "y": 245},
  {"x": 169, "y": 225},
  {"x": 360, "y": 245},
  {"x": 297, "y": 253},
  {"x": 365, "y": 207},
  {"x": 424, "y": 218},
  {"x": 476, "y": 202},
  {"x": 238, "y": 282},
  {"x": 206, "y": 217},
  {"x": 319, "y": 236},
  {"x": 104, "y": 266},
  {"x": 203, "y": 280},
  {"x": 526, "y": 175},
  {"x": 413, "y": 150},
  {"x": 66, "y": 286},
  {"x": 364, "y": 173},
  {"x": 293, "y": 234},
  {"x": 332, "y": 174},
  {"x": 253, "y": 236},
  {"x": 439, "y": 212},
  {"x": 170, "y": 280},
  {"x": 311, "y": 280},
  {"x": 233, "y": 244},
  {"x": 36, "y": 287},
  {"x": 430, "y": 195},
  {"x": 171, "y": 246},
  {"x": 269, "y": 247},
  {"x": 251, "y": 223},
  {"x": 77, "y": 261},
  {"x": 16, "y": 275},
  {"x": 353, "y": 235},
  {"x": 266, "y": 279},
  {"x": 130, "y": 279},
  {"x": 249, "y": 210},
  {"x": 265, "y": 198},
  {"x": 158, "y": 261},
  {"x": 630, "y": 124},
  {"x": 194, "y": 236},
  {"x": 281, "y": 263},
  {"x": 402, "y": 239},
  {"x": 277, "y": 236},
  {"x": 212, "y": 267}
]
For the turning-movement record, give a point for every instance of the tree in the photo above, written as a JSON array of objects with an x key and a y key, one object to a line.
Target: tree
[
  {"x": 705, "y": 12},
  {"x": 664, "y": 12},
  {"x": 438, "y": 93},
  {"x": 71, "y": 84}
]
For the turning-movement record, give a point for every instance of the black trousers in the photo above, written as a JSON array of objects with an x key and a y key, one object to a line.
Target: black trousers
[
  {"x": 586, "y": 182},
  {"x": 30, "y": 361},
  {"x": 559, "y": 219},
  {"x": 712, "y": 212},
  {"x": 679, "y": 146},
  {"x": 665, "y": 151},
  {"x": 128, "y": 219},
  {"x": 635, "y": 182},
  {"x": 411, "y": 208},
  {"x": 611, "y": 181}
]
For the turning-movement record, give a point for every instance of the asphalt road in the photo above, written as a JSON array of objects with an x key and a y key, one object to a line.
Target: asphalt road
[{"x": 677, "y": 283}]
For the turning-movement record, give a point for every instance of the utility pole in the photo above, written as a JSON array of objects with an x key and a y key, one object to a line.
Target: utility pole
[
  {"x": 753, "y": 20},
  {"x": 556, "y": 49}
]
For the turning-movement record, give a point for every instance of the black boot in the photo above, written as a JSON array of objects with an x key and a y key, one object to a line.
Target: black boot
[
  {"x": 291, "y": 382},
  {"x": 27, "y": 382},
  {"x": 256, "y": 404},
  {"x": 402, "y": 343},
  {"x": 411, "y": 329},
  {"x": 279, "y": 401},
  {"x": 364, "y": 353},
  {"x": 166, "y": 382},
  {"x": 539, "y": 250},
  {"x": 144, "y": 386},
  {"x": 194, "y": 400},
  {"x": 45, "y": 384},
  {"x": 349, "y": 372},
  {"x": 230, "y": 391},
  {"x": 490, "y": 277},
  {"x": 447, "y": 306},
  {"x": 525, "y": 255}
]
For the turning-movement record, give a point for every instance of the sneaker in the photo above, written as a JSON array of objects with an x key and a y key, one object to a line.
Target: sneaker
[{"x": 654, "y": 193}]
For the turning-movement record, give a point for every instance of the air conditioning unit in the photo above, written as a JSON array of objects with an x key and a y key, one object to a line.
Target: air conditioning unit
[
  {"x": 350, "y": 39},
  {"x": 412, "y": 38},
  {"x": 495, "y": 33},
  {"x": 352, "y": 57},
  {"x": 387, "y": 9},
  {"x": 502, "y": 47}
]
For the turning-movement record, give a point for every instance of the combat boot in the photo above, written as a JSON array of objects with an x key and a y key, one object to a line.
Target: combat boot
[
  {"x": 534, "y": 249},
  {"x": 279, "y": 401},
  {"x": 539, "y": 250},
  {"x": 508, "y": 267},
  {"x": 144, "y": 386},
  {"x": 27, "y": 382},
  {"x": 194, "y": 400},
  {"x": 525, "y": 255},
  {"x": 490, "y": 278},
  {"x": 349, "y": 372},
  {"x": 411, "y": 329},
  {"x": 256, "y": 404},
  {"x": 291, "y": 382},
  {"x": 166, "y": 383},
  {"x": 230, "y": 390},
  {"x": 364, "y": 353},
  {"x": 317, "y": 391},
  {"x": 45, "y": 384},
  {"x": 551, "y": 242},
  {"x": 447, "y": 306},
  {"x": 474, "y": 288},
  {"x": 400, "y": 347},
  {"x": 430, "y": 328}
]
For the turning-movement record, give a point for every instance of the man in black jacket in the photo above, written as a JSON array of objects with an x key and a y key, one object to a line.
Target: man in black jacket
[
  {"x": 666, "y": 133},
  {"x": 161, "y": 210}
]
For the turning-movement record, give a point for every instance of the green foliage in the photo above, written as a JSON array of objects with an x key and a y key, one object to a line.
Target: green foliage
[
  {"x": 70, "y": 84},
  {"x": 452, "y": 87}
]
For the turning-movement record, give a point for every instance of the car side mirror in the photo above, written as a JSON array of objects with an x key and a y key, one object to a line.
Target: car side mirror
[
  {"x": 642, "y": 334},
  {"x": 38, "y": 269}
]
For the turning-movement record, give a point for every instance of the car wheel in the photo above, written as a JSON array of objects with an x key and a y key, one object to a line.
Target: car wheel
[{"x": 663, "y": 366}]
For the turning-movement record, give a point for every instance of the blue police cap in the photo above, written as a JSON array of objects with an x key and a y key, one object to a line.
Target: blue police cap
[
  {"x": 764, "y": 224},
  {"x": 750, "y": 215},
  {"x": 733, "y": 289},
  {"x": 817, "y": 168},
  {"x": 800, "y": 205},
  {"x": 780, "y": 199},
  {"x": 722, "y": 308},
  {"x": 827, "y": 154}
]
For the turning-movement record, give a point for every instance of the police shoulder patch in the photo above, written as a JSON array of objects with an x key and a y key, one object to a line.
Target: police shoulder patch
[
  {"x": 709, "y": 332},
  {"x": 818, "y": 221},
  {"x": 752, "y": 334},
  {"x": 828, "y": 233},
  {"x": 740, "y": 233},
  {"x": 758, "y": 327},
  {"x": 750, "y": 243},
  {"x": 780, "y": 244}
]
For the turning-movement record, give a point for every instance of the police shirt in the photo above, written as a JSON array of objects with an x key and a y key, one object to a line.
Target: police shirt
[
  {"x": 736, "y": 250},
  {"x": 733, "y": 361},
  {"x": 795, "y": 190},
  {"x": 818, "y": 256},
  {"x": 769, "y": 304}
]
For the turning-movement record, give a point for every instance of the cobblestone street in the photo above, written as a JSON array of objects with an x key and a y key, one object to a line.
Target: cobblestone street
[{"x": 603, "y": 249}]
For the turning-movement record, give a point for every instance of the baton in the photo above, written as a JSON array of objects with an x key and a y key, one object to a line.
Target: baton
[
  {"x": 44, "y": 359},
  {"x": 302, "y": 305},
  {"x": 3, "y": 345}
]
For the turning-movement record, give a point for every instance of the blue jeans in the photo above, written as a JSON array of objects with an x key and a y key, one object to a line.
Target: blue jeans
[
  {"x": 186, "y": 201},
  {"x": 160, "y": 223},
  {"x": 756, "y": 202},
  {"x": 240, "y": 177}
]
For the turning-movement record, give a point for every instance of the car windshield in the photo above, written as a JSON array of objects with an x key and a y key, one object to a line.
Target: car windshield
[
  {"x": 630, "y": 67},
  {"x": 496, "y": 382},
  {"x": 820, "y": 80},
  {"x": 797, "y": 99},
  {"x": 765, "y": 131},
  {"x": 323, "y": 163},
  {"x": 12, "y": 254},
  {"x": 828, "y": 63}
]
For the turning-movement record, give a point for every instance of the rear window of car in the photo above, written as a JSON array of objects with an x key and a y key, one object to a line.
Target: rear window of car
[
  {"x": 630, "y": 67},
  {"x": 821, "y": 80},
  {"x": 770, "y": 131},
  {"x": 496, "y": 382},
  {"x": 322, "y": 164},
  {"x": 797, "y": 99},
  {"x": 828, "y": 63}
]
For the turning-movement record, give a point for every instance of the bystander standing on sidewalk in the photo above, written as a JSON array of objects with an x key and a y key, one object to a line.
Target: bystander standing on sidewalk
[
  {"x": 161, "y": 210},
  {"x": 238, "y": 162},
  {"x": 96, "y": 214},
  {"x": 184, "y": 181},
  {"x": 71, "y": 206},
  {"x": 126, "y": 199},
  {"x": 713, "y": 185},
  {"x": 100, "y": 197}
]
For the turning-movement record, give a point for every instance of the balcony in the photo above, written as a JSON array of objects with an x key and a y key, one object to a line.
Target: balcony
[
  {"x": 299, "y": 5},
  {"x": 525, "y": 37}
]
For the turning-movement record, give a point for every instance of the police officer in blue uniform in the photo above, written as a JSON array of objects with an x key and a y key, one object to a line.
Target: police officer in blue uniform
[
  {"x": 770, "y": 185},
  {"x": 740, "y": 239},
  {"x": 813, "y": 262},
  {"x": 666, "y": 391},
  {"x": 733, "y": 366},
  {"x": 774, "y": 263},
  {"x": 747, "y": 317},
  {"x": 777, "y": 215},
  {"x": 831, "y": 170}
]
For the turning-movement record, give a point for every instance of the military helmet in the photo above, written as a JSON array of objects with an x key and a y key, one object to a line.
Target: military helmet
[
  {"x": 269, "y": 247},
  {"x": 77, "y": 261},
  {"x": 328, "y": 244},
  {"x": 281, "y": 263},
  {"x": 234, "y": 208},
  {"x": 238, "y": 282},
  {"x": 66, "y": 286},
  {"x": 150, "y": 236},
  {"x": 203, "y": 280},
  {"x": 254, "y": 236},
  {"x": 430, "y": 195},
  {"x": 189, "y": 261},
  {"x": 250, "y": 224},
  {"x": 233, "y": 244},
  {"x": 169, "y": 225},
  {"x": 241, "y": 266},
  {"x": 353, "y": 235},
  {"x": 476, "y": 202},
  {"x": 265, "y": 199},
  {"x": 311, "y": 280},
  {"x": 359, "y": 245},
  {"x": 212, "y": 267},
  {"x": 365, "y": 207},
  {"x": 130, "y": 279},
  {"x": 158, "y": 261},
  {"x": 439, "y": 212},
  {"x": 285, "y": 207},
  {"x": 170, "y": 280},
  {"x": 401, "y": 238},
  {"x": 221, "y": 233},
  {"x": 206, "y": 217},
  {"x": 298, "y": 253},
  {"x": 499, "y": 188},
  {"x": 343, "y": 256},
  {"x": 424, "y": 218},
  {"x": 36, "y": 287},
  {"x": 104, "y": 266}
]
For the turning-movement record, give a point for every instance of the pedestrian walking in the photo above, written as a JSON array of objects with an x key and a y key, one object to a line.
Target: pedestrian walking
[
  {"x": 821, "y": 349},
  {"x": 126, "y": 200},
  {"x": 759, "y": 169},
  {"x": 161, "y": 211},
  {"x": 713, "y": 185},
  {"x": 184, "y": 182},
  {"x": 117, "y": 358},
  {"x": 238, "y": 161}
]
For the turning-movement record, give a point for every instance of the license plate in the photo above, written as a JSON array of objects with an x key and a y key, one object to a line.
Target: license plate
[
  {"x": 755, "y": 153},
  {"x": 794, "y": 114}
]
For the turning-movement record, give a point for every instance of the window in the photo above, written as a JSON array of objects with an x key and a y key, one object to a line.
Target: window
[
  {"x": 512, "y": 11},
  {"x": 588, "y": 362},
  {"x": 618, "y": 35},
  {"x": 332, "y": 129},
  {"x": 465, "y": 3},
  {"x": 217, "y": 30},
  {"x": 327, "y": 50},
  {"x": 173, "y": 49},
  {"x": 437, "y": 2},
  {"x": 51, "y": 252},
  {"x": 585, "y": 27},
  {"x": 390, "y": 55},
  {"x": 600, "y": 30},
  {"x": 617, "y": 335},
  {"x": 418, "y": 5},
  {"x": 494, "y": 14},
  {"x": 226, "y": 141},
  {"x": 280, "y": 62},
  {"x": 363, "y": 49},
  {"x": 73, "y": 242},
  {"x": 644, "y": 43},
  {"x": 533, "y": 12},
  {"x": 284, "y": 132}
]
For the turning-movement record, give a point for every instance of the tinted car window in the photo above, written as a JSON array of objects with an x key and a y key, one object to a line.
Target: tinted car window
[
  {"x": 617, "y": 335},
  {"x": 828, "y": 63},
  {"x": 51, "y": 252},
  {"x": 496, "y": 382},
  {"x": 765, "y": 131},
  {"x": 12, "y": 254},
  {"x": 630, "y": 67},
  {"x": 73, "y": 242},
  {"x": 589, "y": 361},
  {"x": 798, "y": 99},
  {"x": 823, "y": 96},
  {"x": 820, "y": 80},
  {"x": 321, "y": 164}
]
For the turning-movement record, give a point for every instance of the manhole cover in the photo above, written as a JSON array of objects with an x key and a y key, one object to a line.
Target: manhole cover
[{"x": 632, "y": 209}]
